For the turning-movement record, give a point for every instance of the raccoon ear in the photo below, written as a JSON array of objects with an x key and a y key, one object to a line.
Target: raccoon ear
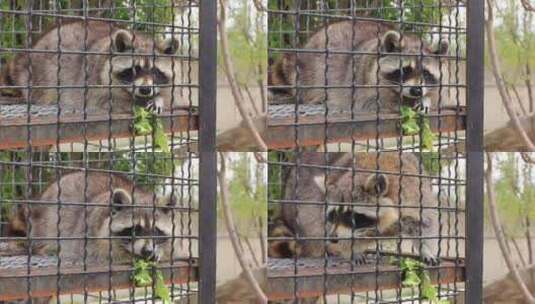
[
  {"x": 168, "y": 202},
  {"x": 377, "y": 184},
  {"x": 122, "y": 41},
  {"x": 319, "y": 180},
  {"x": 441, "y": 48},
  {"x": 169, "y": 46},
  {"x": 391, "y": 42},
  {"x": 119, "y": 198}
]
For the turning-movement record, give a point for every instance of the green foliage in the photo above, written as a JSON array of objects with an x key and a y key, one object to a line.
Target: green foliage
[
  {"x": 146, "y": 11},
  {"x": 248, "y": 200},
  {"x": 146, "y": 123},
  {"x": 415, "y": 275},
  {"x": 431, "y": 162},
  {"x": 143, "y": 276},
  {"x": 414, "y": 11},
  {"x": 515, "y": 191},
  {"x": 247, "y": 43},
  {"x": 416, "y": 123},
  {"x": 515, "y": 40}
]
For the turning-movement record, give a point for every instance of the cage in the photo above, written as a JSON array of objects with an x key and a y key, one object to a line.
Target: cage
[
  {"x": 367, "y": 227},
  {"x": 362, "y": 72},
  {"x": 389, "y": 96},
  {"x": 103, "y": 153}
]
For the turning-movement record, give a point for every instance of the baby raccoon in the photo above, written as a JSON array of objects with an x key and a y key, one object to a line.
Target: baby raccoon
[
  {"x": 121, "y": 68},
  {"x": 117, "y": 218},
  {"x": 369, "y": 205},
  {"x": 376, "y": 78}
]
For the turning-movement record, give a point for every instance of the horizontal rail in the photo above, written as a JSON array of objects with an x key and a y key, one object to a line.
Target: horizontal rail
[
  {"x": 314, "y": 277},
  {"x": 17, "y": 131},
  {"x": 314, "y": 129},
  {"x": 42, "y": 282}
]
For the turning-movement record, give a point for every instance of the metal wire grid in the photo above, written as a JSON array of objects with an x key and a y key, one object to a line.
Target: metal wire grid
[
  {"x": 25, "y": 176},
  {"x": 294, "y": 186},
  {"x": 60, "y": 93},
  {"x": 294, "y": 23},
  {"x": 26, "y": 173}
]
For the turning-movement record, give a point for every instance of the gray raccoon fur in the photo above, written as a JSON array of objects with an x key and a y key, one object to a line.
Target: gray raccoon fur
[
  {"x": 124, "y": 58},
  {"x": 377, "y": 190},
  {"x": 369, "y": 69},
  {"x": 103, "y": 220}
]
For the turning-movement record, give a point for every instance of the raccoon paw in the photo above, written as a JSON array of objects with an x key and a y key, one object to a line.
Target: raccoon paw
[
  {"x": 424, "y": 106},
  {"x": 431, "y": 260},
  {"x": 155, "y": 105},
  {"x": 359, "y": 258}
]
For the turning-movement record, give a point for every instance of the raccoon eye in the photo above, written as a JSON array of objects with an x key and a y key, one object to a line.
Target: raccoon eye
[
  {"x": 126, "y": 75},
  {"x": 429, "y": 78},
  {"x": 161, "y": 236},
  {"x": 127, "y": 232},
  {"x": 137, "y": 69},
  {"x": 406, "y": 70},
  {"x": 159, "y": 76}
]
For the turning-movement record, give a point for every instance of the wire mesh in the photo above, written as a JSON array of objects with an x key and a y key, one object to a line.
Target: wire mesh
[
  {"x": 89, "y": 71},
  {"x": 366, "y": 227},
  {"x": 361, "y": 74},
  {"x": 87, "y": 219},
  {"x": 99, "y": 168}
]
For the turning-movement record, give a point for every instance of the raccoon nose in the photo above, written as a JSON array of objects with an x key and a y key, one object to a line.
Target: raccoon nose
[
  {"x": 147, "y": 253},
  {"x": 145, "y": 91},
  {"x": 416, "y": 91}
]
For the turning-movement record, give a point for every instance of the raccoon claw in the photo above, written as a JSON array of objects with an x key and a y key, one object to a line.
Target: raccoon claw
[
  {"x": 360, "y": 259},
  {"x": 155, "y": 105},
  {"x": 431, "y": 260},
  {"x": 423, "y": 106}
]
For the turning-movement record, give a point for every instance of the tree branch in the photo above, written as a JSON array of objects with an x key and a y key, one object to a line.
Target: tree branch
[
  {"x": 496, "y": 70},
  {"x": 231, "y": 227},
  {"x": 528, "y": 6},
  {"x": 496, "y": 224},
  {"x": 228, "y": 68}
]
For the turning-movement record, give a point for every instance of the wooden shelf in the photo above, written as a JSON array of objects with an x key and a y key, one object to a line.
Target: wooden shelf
[
  {"x": 310, "y": 127},
  {"x": 42, "y": 276},
  {"x": 340, "y": 276},
  {"x": 46, "y": 128}
]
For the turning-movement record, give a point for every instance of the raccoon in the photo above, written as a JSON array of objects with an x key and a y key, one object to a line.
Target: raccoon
[
  {"x": 122, "y": 68},
  {"x": 120, "y": 217},
  {"x": 282, "y": 248},
  {"x": 371, "y": 208},
  {"x": 382, "y": 79}
]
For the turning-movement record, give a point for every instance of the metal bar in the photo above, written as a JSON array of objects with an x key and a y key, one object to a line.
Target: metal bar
[
  {"x": 43, "y": 279},
  {"x": 44, "y": 128},
  {"x": 474, "y": 148},
  {"x": 341, "y": 128},
  {"x": 342, "y": 279},
  {"x": 208, "y": 158}
]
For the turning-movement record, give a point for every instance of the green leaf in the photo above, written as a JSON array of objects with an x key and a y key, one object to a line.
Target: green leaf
[
  {"x": 411, "y": 279},
  {"x": 142, "y": 277},
  {"x": 160, "y": 290},
  {"x": 145, "y": 122}
]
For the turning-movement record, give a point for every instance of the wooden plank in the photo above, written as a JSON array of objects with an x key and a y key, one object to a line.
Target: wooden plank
[
  {"x": 312, "y": 130},
  {"x": 73, "y": 279},
  {"x": 46, "y": 130},
  {"x": 314, "y": 279}
]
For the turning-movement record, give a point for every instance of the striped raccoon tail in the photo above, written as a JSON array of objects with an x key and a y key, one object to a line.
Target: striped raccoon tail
[
  {"x": 16, "y": 226},
  {"x": 282, "y": 248},
  {"x": 282, "y": 73},
  {"x": 6, "y": 80}
]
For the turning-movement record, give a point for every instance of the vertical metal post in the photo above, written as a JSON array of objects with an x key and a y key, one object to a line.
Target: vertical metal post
[
  {"x": 474, "y": 148},
  {"x": 208, "y": 158}
]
